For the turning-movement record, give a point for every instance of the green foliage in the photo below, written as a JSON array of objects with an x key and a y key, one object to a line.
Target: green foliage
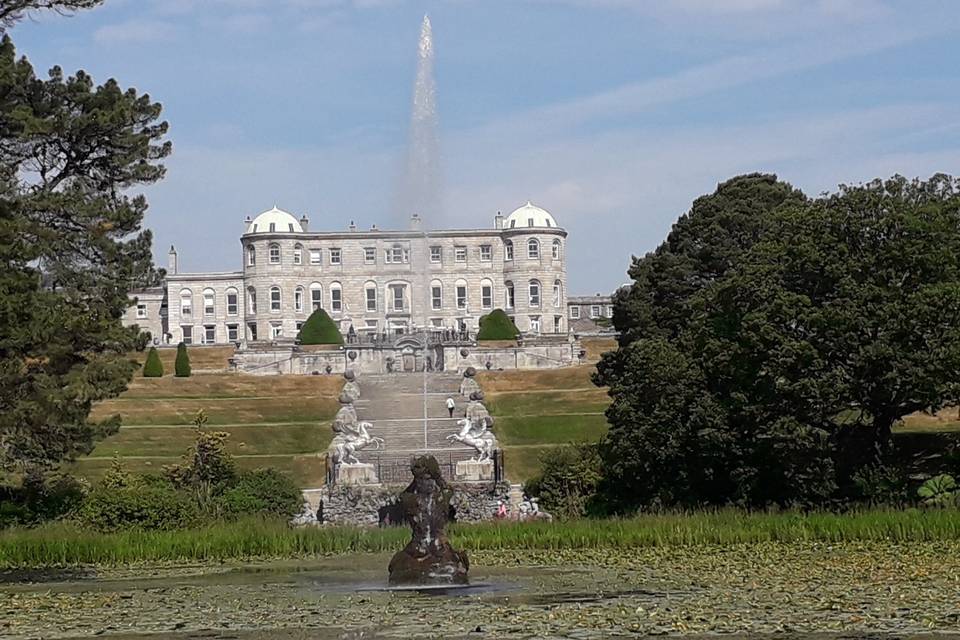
[
  {"x": 771, "y": 342},
  {"x": 882, "y": 484},
  {"x": 497, "y": 325},
  {"x": 207, "y": 468},
  {"x": 71, "y": 248},
  {"x": 939, "y": 491},
  {"x": 267, "y": 492},
  {"x": 320, "y": 329},
  {"x": 153, "y": 368},
  {"x": 569, "y": 481},
  {"x": 139, "y": 505},
  {"x": 181, "y": 366},
  {"x": 41, "y": 497}
]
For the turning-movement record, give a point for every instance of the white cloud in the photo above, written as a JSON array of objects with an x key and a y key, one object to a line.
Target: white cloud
[{"x": 134, "y": 31}]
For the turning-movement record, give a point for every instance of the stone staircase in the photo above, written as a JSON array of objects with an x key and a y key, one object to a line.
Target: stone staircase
[{"x": 408, "y": 410}]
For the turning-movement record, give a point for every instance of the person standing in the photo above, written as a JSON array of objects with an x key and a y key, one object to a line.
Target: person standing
[{"x": 451, "y": 405}]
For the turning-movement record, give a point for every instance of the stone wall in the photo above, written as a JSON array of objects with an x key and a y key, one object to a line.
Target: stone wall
[{"x": 361, "y": 505}]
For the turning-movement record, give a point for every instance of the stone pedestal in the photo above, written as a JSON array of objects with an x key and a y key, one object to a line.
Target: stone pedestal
[
  {"x": 352, "y": 474},
  {"x": 471, "y": 471}
]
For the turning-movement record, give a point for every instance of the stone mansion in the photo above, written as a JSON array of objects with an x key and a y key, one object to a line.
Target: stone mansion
[{"x": 369, "y": 281}]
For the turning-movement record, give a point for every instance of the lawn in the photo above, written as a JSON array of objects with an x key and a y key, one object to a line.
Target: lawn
[{"x": 277, "y": 421}]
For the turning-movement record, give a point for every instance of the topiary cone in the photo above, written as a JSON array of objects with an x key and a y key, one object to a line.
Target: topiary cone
[
  {"x": 153, "y": 368},
  {"x": 497, "y": 325},
  {"x": 320, "y": 329},
  {"x": 181, "y": 366}
]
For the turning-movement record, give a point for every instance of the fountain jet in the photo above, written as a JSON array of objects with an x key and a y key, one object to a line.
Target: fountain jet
[{"x": 420, "y": 186}]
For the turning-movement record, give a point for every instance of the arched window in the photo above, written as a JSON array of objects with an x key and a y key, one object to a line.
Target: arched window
[
  {"x": 298, "y": 253},
  {"x": 233, "y": 302},
  {"x": 370, "y": 295},
  {"x": 186, "y": 302},
  {"x": 533, "y": 249},
  {"x": 534, "y": 293},
  {"x": 251, "y": 256},
  {"x": 509, "y": 297},
  {"x": 274, "y": 299},
  {"x": 557, "y": 293},
  {"x": 556, "y": 249},
  {"x": 274, "y": 253},
  {"x": 316, "y": 296},
  {"x": 461, "y": 291},
  {"x": 486, "y": 294},
  {"x": 436, "y": 295},
  {"x": 508, "y": 250},
  {"x": 336, "y": 298},
  {"x": 298, "y": 300},
  {"x": 209, "y": 305},
  {"x": 251, "y": 300}
]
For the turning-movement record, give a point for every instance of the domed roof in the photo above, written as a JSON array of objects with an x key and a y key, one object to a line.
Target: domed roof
[
  {"x": 275, "y": 221},
  {"x": 529, "y": 215}
]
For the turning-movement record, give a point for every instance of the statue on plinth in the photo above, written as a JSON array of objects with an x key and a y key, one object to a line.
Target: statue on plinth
[
  {"x": 477, "y": 435},
  {"x": 469, "y": 385},
  {"x": 351, "y": 388},
  {"x": 349, "y": 434},
  {"x": 428, "y": 559}
]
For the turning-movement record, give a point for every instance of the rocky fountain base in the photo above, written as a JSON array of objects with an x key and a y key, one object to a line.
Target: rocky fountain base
[{"x": 428, "y": 559}]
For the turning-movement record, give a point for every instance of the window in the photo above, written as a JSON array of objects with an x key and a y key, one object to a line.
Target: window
[
  {"x": 141, "y": 311},
  {"x": 371, "y": 295},
  {"x": 233, "y": 302},
  {"x": 299, "y": 325},
  {"x": 557, "y": 291},
  {"x": 461, "y": 294},
  {"x": 334, "y": 256},
  {"x": 290, "y": 226},
  {"x": 533, "y": 249},
  {"x": 233, "y": 333},
  {"x": 394, "y": 255},
  {"x": 398, "y": 291},
  {"x": 547, "y": 221},
  {"x": 273, "y": 227},
  {"x": 209, "y": 333},
  {"x": 436, "y": 254},
  {"x": 316, "y": 296},
  {"x": 252, "y": 330},
  {"x": 298, "y": 300},
  {"x": 298, "y": 254},
  {"x": 251, "y": 256},
  {"x": 574, "y": 312},
  {"x": 508, "y": 295},
  {"x": 609, "y": 313},
  {"x": 486, "y": 294},
  {"x": 370, "y": 255},
  {"x": 274, "y": 253},
  {"x": 508, "y": 254},
  {"x": 314, "y": 256},
  {"x": 529, "y": 222},
  {"x": 252, "y": 301},
  {"x": 371, "y": 325},
  {"x": 556, "y": 324},
  {"x": 513, "y": 223},
  {"x": 436, "y": 295},
  {"x": 274, "y": 299},
  {"x": 595, "y": 311},
  {"x": 534, "y": 324},
  {"x": 460, "y": 254},
  {"x": 186, "y": 303},
  {"x": 556, "y": 249},
  {"x": 534, "y": 293},
  {"x": 486, "y": 253},
  {"x": 187, "y": 331},
  {"x": 208, "y": 302},
  {"x": 336, "y": 298},
  {"x": 276, "y": 330}
]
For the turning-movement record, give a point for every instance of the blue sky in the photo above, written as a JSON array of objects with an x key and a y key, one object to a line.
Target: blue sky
[{"x": 612, "y": 114}]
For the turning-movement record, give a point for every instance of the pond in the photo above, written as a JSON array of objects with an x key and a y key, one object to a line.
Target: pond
[{"x": 746, "y": 591}]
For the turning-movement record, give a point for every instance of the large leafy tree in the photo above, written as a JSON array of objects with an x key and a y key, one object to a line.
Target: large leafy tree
[
  {"x": 71, "y": 246},
  {"x": 787, "y": 370}
]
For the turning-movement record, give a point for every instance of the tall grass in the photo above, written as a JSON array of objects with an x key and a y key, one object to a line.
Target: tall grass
[{"x": 66, "y": 545}]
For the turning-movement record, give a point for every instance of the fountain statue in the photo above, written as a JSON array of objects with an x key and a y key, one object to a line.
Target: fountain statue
[
  {"x": 477, "y": 435},
  {"x": 428, "y": 559},
  {"x": 349, "y": 436},
  {"x": 469, "y": 384}
]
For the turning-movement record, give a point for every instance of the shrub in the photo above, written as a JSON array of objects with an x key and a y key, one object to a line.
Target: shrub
[
  {"x": 882, "y": 484},
  {"x": 153, "y": 368},
  {"x": 320, "y": 329},
  {"x": 265, "y": 492},
  {"x": 181, "y": 366},
  {"x": 207, "y": 468},
  {"x": 142, "y": 505},
  {"x": 497, "y": 325},
  {"x": 40, "y": 498},
  {"x": 567, "y": 486}
]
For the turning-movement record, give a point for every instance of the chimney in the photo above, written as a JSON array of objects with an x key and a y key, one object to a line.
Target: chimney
[
  {"x": 304, "y": 222},
  {"x": 416, "y": 224},
  {"x": 172, "y": 261},
  {"x": 353, "y": 226},
  {"x": 247, "y": 221},
  {"x": 373, "y": 227},
  {"x": 498, "y": 221}
]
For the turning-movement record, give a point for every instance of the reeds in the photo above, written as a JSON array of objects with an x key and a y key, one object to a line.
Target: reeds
[{"x": 63, "y": 544}]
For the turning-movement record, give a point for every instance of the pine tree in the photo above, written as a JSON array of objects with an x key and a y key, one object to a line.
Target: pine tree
[
  {"x": 153, "y": 368},
  {"x": 181, "y": 366}
]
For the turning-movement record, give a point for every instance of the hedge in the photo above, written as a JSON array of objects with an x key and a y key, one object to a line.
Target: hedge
[
  {"x": 320, "y": 329},
  {"x": 497, "y": 325}
]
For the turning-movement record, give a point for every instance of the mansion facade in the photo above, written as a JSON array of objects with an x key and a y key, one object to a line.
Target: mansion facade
[{"x": 369, "y": 281}]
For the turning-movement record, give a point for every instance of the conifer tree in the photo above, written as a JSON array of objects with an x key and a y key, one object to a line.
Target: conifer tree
[
  {"x": 320, "y": 329},
  {"x": 153, "y": 368},
  {"x": 181, "y": 366}
]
